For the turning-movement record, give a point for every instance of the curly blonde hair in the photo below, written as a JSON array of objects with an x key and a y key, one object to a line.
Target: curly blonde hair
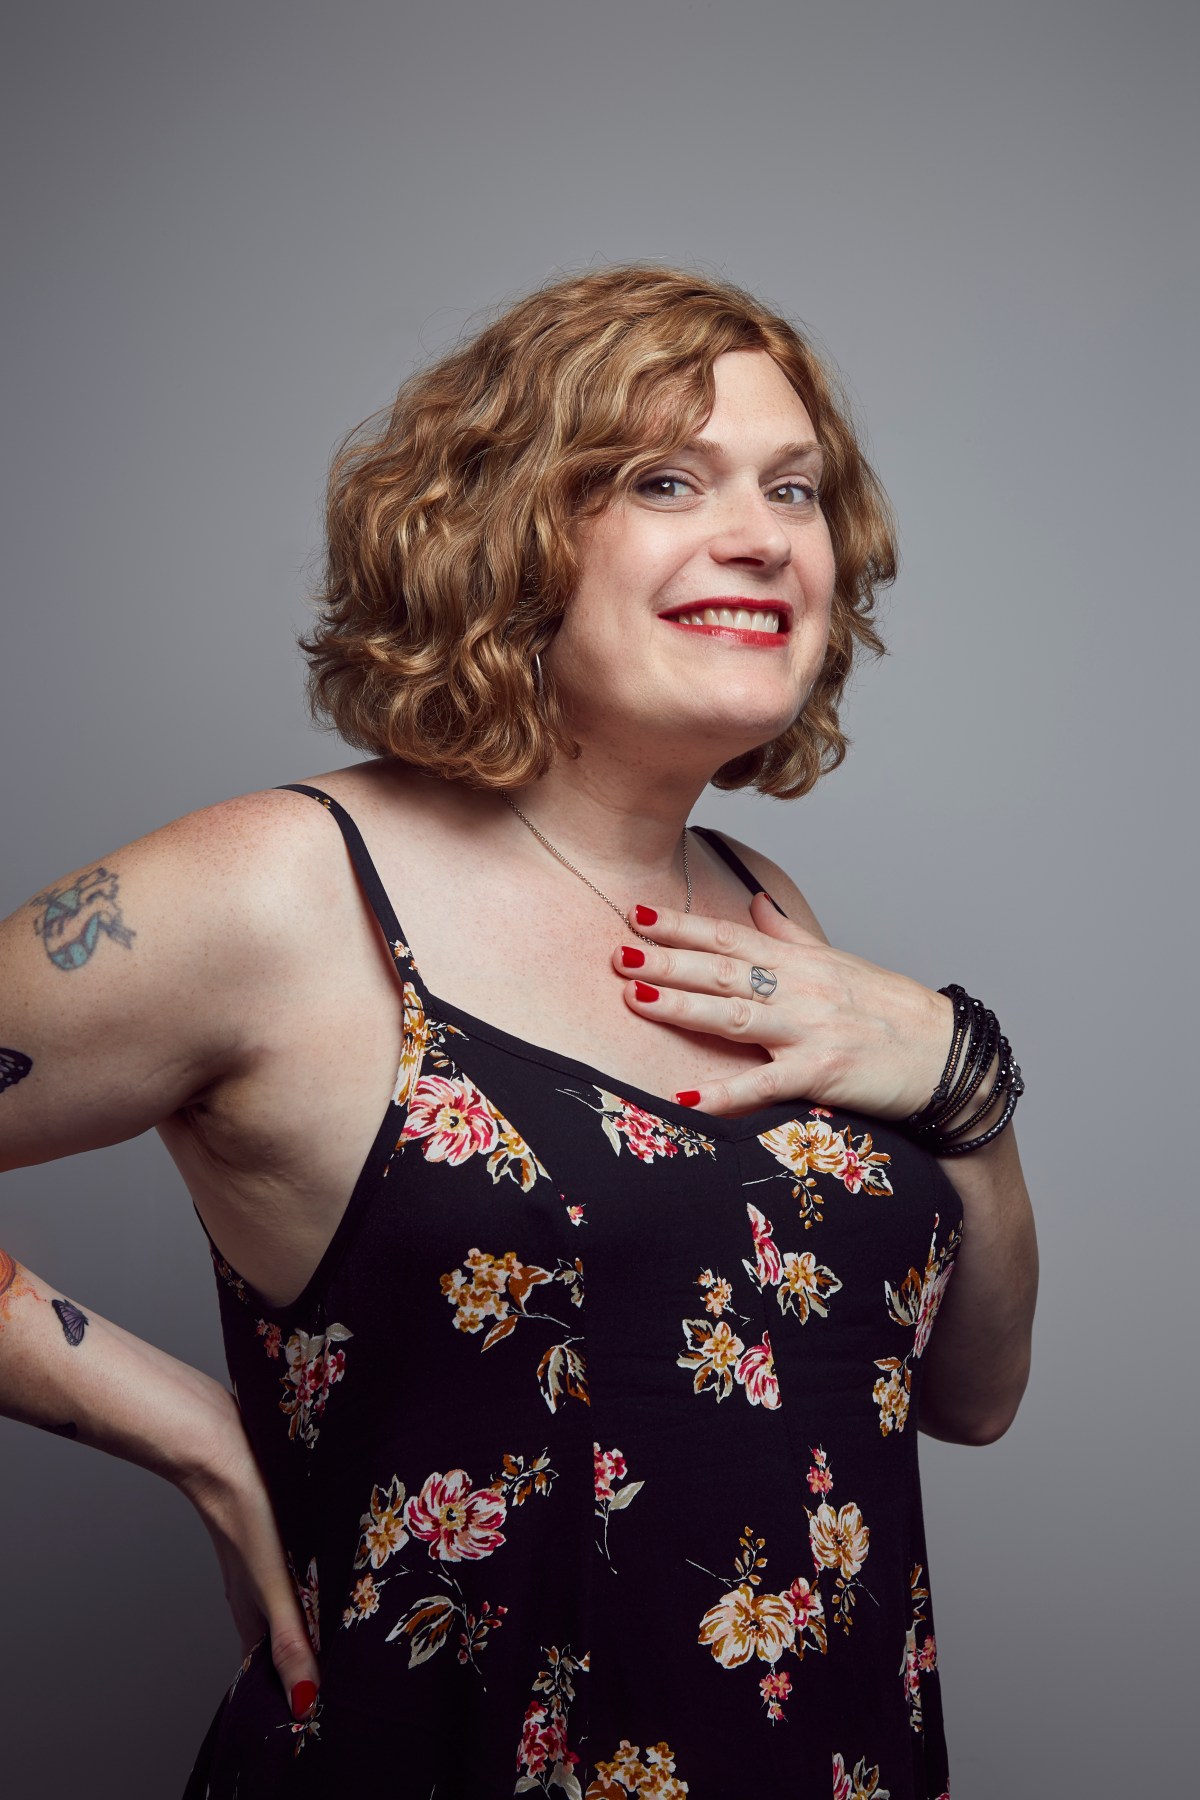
[{"x": 450, "y": 523}]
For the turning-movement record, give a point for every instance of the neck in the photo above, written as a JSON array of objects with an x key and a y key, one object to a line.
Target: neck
[{"x": 621, "y": 823}]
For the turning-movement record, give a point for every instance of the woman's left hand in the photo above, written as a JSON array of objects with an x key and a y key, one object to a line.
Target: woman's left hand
[{"x": 838, "y": 1030}]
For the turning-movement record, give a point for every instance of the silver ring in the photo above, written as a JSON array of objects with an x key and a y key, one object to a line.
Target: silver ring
[{"x": 763, "y": 981}]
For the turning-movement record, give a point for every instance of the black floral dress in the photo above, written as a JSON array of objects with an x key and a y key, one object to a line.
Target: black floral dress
[{"x": 593, "y": 1445}]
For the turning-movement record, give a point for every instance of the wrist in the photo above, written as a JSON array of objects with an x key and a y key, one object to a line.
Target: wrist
[
  {"x": 979, "y": 1087},
  {"x": 216, "y": 1458}
]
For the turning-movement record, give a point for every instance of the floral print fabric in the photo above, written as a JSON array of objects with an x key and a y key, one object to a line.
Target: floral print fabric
[{"x": 593, "y": 1445}]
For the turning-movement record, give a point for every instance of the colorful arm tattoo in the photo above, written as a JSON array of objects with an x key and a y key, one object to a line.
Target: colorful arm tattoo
[
  {"x": 14, "y": 1067},
  {"x": 14, "y": 1286},
  {"x": 73, "y": 917}
]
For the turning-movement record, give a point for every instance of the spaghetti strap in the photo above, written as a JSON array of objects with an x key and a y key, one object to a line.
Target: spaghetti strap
[
  {"x": 731, "y": 857},
  {"x": 360, "y": 857}
]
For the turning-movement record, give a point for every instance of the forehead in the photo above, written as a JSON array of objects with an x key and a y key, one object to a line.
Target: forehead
[{"x": 752, "y": 395}]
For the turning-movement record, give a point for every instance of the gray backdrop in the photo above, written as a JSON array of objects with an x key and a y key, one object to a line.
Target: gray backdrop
[{"x": 234, "y": 229}]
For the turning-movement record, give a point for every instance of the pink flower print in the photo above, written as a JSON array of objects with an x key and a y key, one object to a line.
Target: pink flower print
[
  {"x": 927, "y": 1656},
  {"x": 853, "y": 1170},
  {"x": 774, "y": 1689},
  {"x": 842, "y": 1787},
  {"x": 451, "y": 1117},
  {"x": 805, "y": 1601},
  {"x": 543, "y": 1740},
  {"x": 767, "y": 1265},
  {"x": 641, "y": 1133},
  {"x": 272, "y": 1337},
  {"x": 646, "y": 1136},
  {"x": 610, "y": 1467},
  {"x": 755, "y": 1371},
  {"x": 820, "y": 1476},
  {"x": 932, "y": 1290},
  {"x": 314, "y": 1367},
  {"x": 457, "y": 1522},
  {"x": 575, "y": 1214}
]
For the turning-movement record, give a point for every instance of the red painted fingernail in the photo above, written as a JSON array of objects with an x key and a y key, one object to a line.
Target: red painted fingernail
[
  {"x": 304, "y": 1698},
  {"x": 689, "y": 1097},
  {"x": 644, "y": 991},
  {"x": 633, "y": 959},
  {"x": 645, "y": 915}
]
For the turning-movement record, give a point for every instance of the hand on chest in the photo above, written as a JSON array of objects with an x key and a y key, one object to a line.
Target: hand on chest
[{"x": 549, "y": 980}]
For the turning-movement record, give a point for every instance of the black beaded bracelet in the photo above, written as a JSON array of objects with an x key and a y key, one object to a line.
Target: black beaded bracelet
[{"x": 976, "y": 1042}]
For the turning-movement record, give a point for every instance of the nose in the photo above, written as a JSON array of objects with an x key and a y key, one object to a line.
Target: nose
[{"x": 750, "y": 532}]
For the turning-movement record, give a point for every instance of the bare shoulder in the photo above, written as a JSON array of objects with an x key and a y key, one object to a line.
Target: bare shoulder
[
  {"x": 143, "y": 976},
  {"x": 779, "y": 885}
]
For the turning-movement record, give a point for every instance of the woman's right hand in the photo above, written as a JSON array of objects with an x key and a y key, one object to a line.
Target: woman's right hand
[{"x": 232, "y": 1500}]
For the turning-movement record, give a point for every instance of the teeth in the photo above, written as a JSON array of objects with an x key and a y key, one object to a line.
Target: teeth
[{"x": 741, "y": 620}]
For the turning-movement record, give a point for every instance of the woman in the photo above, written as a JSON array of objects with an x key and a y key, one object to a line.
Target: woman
[{"x": 576, "y": 1452}]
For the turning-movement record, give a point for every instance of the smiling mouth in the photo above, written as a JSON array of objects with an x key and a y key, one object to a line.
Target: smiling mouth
[{"x": 747, "y": 624}]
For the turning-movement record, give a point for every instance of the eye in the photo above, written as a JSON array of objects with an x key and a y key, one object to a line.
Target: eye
[
  {"x": 664, "y": 487},
  {"x": 793, "y": 493}
]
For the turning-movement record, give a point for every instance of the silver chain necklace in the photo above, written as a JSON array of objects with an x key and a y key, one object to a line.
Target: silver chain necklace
[{"x": 567, "y": 864}]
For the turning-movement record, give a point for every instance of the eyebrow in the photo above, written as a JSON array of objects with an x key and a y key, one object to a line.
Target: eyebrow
[{"x": 803, "y": 450}]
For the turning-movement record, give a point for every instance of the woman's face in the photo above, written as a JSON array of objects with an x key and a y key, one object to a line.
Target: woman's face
[{"x": 701, "y": 615}]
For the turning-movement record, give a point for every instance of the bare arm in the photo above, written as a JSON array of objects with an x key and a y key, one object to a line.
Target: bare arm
[
  {"x": 66, "y": 1369},
  {"x": 125, "y": 990}
]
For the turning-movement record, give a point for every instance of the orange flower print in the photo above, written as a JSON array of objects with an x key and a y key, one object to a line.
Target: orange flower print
[
  {"x": 807, "y": 1148},
  {"x": 755, "y": 1371},
  {"x": 495, "y": 1291},
  {"x": 839, "y": 1540},
  {"x": 627, "y": 1773},
  {"x": 382, "y": 1528},
  {"x": 412, "y": 1045},
  {"x": 805, "y": 1285},
  {"x": 712, "y": 1355},
  {"x": 718, "y": 1295},
  {"x": 862, "y": 1785},
  {"x": 456, "y": 1522},
  {"x": 914, "y": 1303},
  {"x": 718, "y": 1298},
  {"x": 364, "y": 1600},
  {"x": 892, "y": 1393},
  {"x": 424, "y": 1039},
  {"x": 746, "y": 1624},
  {"x": 807, "y": 1145}
]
